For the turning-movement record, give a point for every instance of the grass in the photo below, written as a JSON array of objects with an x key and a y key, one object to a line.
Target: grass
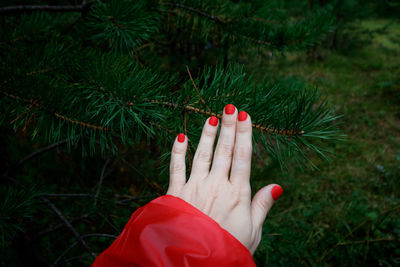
[{"x": 347, "y": 212}]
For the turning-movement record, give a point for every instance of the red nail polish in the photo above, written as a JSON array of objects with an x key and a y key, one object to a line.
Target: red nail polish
[
  {"x": 213, "y": 121},
  {"x": 181, "y": 138},
  {"x": 242, "y": 116},
  {"x": 229, "y": 109},
  {"x": 276, "y": 192}
]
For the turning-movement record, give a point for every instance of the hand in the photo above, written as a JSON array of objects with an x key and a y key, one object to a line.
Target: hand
[{"x": 224, "y": 196}]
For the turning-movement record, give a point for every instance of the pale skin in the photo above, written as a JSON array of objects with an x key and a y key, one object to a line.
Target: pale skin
[{"x": 223, "y": 192}]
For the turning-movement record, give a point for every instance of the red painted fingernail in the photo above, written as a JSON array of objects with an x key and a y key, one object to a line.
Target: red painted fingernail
[
  {"x": 181, "y": 138},
  {"x": 276, "y": 192},
  {"x": 229, "y": 109},
  {"x": 242, "y": 116},
  {"x": 213, "y": 121}
]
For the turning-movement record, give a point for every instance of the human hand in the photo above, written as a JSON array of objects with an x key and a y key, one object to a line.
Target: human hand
[{"x": 224, "y": 196}]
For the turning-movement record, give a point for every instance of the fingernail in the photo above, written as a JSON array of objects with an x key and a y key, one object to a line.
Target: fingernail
[
  {"x": 213, "y": 121},
  {"x": 229, "y": 109},
  {"x": 242, "y": 116},
  {"x": 181, "y": 138},
  {"x": 276, "y": 192}
]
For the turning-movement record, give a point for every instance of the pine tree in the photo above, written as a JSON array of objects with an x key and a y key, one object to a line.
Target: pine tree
[{"x": 102, "y": 75}]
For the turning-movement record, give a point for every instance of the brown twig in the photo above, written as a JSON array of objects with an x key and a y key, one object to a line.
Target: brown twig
[
  {"x": 61, "y": 225},
  {"x": 219, "y": 21},
  {"x": 76, "y": 242},
  {"x": 10, "y": 10},
  {"x": 40, "y": 151},
  {"x": 368, "y": 241},
  {"x": 68, "y": 224},
  {"x": 100, "y": 181},
  {"x": 122, "y": 201},
  {"x": 287, "y": 132},
  {"x": 197, "y": 90},
  {"x": 34, "y": 103},
  {"x": 197, "y": 11},
  {"x": 38, "y": 71},
  {"x": 81, "y": 123}
]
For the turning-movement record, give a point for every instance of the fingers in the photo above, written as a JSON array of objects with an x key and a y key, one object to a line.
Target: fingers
[
  {"x": 177, "y": 168},
  {"x": 241, "y": 163},
  {"x": 202, "y": 158},
  {"x": 226, "y": 141},
  {"x": 262, "y": 203}
]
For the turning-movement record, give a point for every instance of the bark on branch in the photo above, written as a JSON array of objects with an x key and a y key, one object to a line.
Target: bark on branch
[{"x": 11, "y": 10}]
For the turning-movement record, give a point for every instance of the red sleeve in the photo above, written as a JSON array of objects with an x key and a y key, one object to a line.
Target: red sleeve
[{"x": 168, "y": 231}]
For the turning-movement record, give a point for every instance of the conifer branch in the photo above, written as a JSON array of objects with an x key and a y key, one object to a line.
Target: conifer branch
[
  {"x": 38, "y": 71},
  {"x": 33, "y": 102},
  {"x": 219, "y": 21},
  {"x": 197, "y": 11},
  {"x": 81, "y": 123},
  {"x": 286, "y": 132},
  {"x": 10, "y": 10}
]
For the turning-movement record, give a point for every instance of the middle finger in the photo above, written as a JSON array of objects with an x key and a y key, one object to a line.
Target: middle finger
[{"x": 223, "y": 153}]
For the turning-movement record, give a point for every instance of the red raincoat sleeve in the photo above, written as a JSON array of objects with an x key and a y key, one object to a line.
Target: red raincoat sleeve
[{"x": 168, "y": 231}]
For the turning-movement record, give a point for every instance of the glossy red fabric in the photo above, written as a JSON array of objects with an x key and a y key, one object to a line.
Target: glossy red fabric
[{"x": 168, "y": 231}]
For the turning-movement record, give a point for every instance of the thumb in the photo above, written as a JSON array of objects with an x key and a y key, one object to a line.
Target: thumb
[{"x": 263, "y": 201}]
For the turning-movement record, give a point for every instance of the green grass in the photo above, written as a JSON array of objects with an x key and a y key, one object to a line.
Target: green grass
[{"x": 347, "y": 212}]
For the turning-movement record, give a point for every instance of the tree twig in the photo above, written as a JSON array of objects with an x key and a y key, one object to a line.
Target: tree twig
[
  {"x": 40, "y": 151},
  {"x": 56, "y": 114},
  {"x": 287, "y": 132},
  {"x": 76, "y": 242},
  {"x": 68, "y": 224},
  {"x": 65, "y": 195},
  {"x": 368, "y": 241},
  {"x": 100, "y": 181},
  {"x": 61, "y": 225},
  {"x": 197, "y": 11},
  {"x": 10, "y": 10},
  {"x": 122, "y": 201},
  {"x": 197, "y": 90}
]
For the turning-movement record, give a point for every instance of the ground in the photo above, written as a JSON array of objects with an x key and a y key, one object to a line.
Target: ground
[{"x": 347, "y": 212}]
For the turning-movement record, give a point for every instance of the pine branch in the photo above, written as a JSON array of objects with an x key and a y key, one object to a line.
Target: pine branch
[
  {"x": 11, "y": 10},
  {"x": 34, "y": 103},
  {"x": 197, "y": 11},
  {"x": 285, "y": 132},
  {"x": 278, "y": 32}
]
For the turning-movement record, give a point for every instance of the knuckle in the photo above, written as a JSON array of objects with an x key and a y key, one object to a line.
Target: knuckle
[
  {"x": 208, "y": 133},
  {"x": 204, "y": 156},
  {"x": 177, "y": 168},
  {"x": 226, "y": 150},
  {"x": 228, "y": 123},
  {"x": 244, "y": 129},
  {"x": 243, "y": 152},
  {"x": 178, "y": 150}
]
